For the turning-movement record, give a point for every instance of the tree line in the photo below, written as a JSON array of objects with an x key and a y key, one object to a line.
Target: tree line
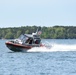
[{"x": 55, "y": 32}]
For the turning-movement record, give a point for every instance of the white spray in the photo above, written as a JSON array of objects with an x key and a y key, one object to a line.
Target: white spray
[{"x": 54, "y": 47}]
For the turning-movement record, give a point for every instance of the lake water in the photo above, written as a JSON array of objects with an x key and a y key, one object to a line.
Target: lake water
[{"x": 59, "y": 60}]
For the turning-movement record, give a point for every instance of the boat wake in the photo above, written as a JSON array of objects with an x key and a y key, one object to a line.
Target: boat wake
[{"x": 54, "y": 48}]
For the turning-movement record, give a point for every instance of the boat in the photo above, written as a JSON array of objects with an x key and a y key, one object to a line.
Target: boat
[{"x": 25, "y": 42}]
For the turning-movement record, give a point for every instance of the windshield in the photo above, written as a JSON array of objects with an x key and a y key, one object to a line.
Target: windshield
[{"x": 23, "y": 38}]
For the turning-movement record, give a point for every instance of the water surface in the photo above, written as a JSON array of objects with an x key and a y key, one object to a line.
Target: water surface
[{"x": 59, "y": 60}]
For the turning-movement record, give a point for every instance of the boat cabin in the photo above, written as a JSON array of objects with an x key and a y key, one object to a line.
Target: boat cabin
[{"x": 30, "y": 39}]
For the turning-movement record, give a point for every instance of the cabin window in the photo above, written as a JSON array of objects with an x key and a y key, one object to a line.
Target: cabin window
[
  {"x": 29, "y": 40},
  {"x": 37, "y": 42}
]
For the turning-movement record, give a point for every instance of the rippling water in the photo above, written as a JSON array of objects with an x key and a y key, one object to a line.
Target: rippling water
[{"x": 59, "y": 60}]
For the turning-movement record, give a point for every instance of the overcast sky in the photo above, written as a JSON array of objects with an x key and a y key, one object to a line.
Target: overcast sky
[{"x": 16, "y": 13}]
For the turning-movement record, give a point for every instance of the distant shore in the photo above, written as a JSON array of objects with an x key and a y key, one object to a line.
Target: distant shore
[{"x": 55, "y": 32}]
